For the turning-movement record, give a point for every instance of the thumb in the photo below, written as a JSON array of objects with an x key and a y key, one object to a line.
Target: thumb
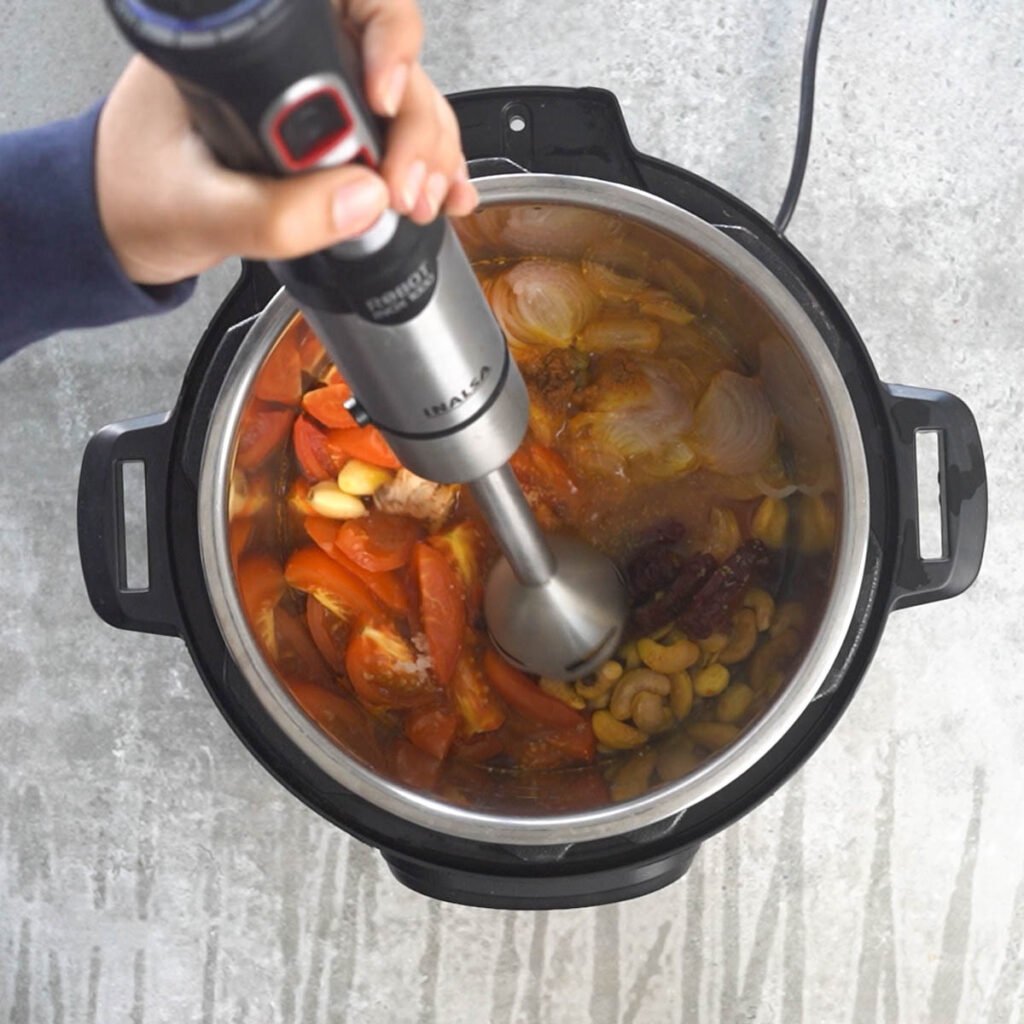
[{"x": 270, "y": 219}]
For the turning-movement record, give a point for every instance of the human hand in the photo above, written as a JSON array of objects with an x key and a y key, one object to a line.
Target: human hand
[{"x": 170, "y": 211}]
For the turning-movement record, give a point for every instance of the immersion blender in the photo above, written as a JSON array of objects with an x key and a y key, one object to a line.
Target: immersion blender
[{"x": 274, "y": 87}]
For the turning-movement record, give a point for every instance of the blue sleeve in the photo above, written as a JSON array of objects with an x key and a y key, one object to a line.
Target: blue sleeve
[{"x": 57, "y": 269}]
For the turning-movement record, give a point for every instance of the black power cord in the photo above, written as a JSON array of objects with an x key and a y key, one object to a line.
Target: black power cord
[{"x": 806, "y": 117}]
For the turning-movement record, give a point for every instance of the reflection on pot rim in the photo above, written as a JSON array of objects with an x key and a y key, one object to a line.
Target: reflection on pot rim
[{"x": 673, "y": 798}]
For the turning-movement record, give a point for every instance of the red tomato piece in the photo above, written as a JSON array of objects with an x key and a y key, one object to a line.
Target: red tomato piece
[
  {"x": 478, "y": 709},
  {"x": 477, "y": 749},
  {"x": 341, "y": 718},
  {"x": 328, "y": 406},
  {"x": 239, "y": 532},
  {"x": 340, "y": 591},
  {"x": 432, "y": 730},
  {"x": 378, "y": 542},
  {"x": 261, "y": 586},
  {"x": 465, "y": 546},
  {"x": 329, "y": 633},
  {"x": 549, "y": 750},
  {"x": 263, "y": 429},
  {"x": 314, "y": 456},
  {"x": 522, "y": 694},
  {"x": 442, "y": 608},
  {"x": 386, "y": 586},
  {"x": 280, "y": 377},
  {"x": 364, "y": 443},
  {"x": 385, "y": 670},
  {"x": 333, "y": 376},
  {"x": 298, "y": 498},
  {"x": 413, "y": 767}
]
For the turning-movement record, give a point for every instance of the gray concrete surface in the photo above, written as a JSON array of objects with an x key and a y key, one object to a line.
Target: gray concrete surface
[{"x": 151, "y": 872}]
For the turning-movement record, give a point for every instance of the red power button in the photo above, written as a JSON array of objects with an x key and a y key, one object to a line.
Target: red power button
[{"x": 305, "y": 130}]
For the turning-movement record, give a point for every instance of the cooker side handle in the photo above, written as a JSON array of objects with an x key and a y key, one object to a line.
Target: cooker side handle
[
  {"x": 963, "y": 494},
  {"x": 101, "y": 530}
]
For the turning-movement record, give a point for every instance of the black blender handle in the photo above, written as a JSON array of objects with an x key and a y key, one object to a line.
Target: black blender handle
[
  {"x": 963, "y": 494},
  {"x": 276, "y": 87},
  {"x": 101, "y": 531}
]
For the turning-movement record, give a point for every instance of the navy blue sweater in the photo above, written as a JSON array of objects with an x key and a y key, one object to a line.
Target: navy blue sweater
[{"x": 57, "y": 269}]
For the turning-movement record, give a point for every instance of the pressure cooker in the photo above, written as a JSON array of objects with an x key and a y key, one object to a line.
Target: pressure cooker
[{"x": 550, "y": 148}]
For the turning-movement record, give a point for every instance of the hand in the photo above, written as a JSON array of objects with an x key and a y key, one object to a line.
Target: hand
[{"x": 170, "y": 211}]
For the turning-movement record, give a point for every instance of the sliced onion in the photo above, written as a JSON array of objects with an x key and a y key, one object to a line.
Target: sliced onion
[
  {"x": 542, "y": 302},
  {"x": 638, "y": 410},
  {"x": 480, "y": 232},
  {"x": 564, "y": 231},
  {"x": 627, "y": 334},
  {"x": 662, "y": 306},
  {"x": 673, "y": 278},
  {"x": 735, "y": 428}
]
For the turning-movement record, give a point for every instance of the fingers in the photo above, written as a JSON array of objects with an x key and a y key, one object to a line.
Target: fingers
[
  {"x": 424, "y": 162},
  {"x": 392, "y": 32},
  {"x": 269, "y": 219}
]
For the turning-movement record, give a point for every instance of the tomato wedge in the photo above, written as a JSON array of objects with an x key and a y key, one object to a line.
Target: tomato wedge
[
  {"x": 386, "y": 586},
  {"x": 341, "y": 718},
  {"x": 340, "y": 591},
  {"x": 280, "y": 377},
  {"x": 364, "y": 443},
  {"x": 477, "y": 749},
  {"x": 413, "y": 767},
  {"x": 329, "y": 633},
  {"x": 239, "y": 532},
  {"x": 315, "y": 459},
  {"x": 521, "y": 693},
  {"x": 328, "y": 405},
  {"x": 261, "y": 586},
  {"x": 263, "y": 429},
  {"x": 378, "y": 542},
  {"x": 464, "y": 545},
  {"x": 442, "y": 608},
  {"x": 549, "y": 750},
  {"x": 432, "y": 730},
  {"x": 478, "y": 709},
  {"x": 544, "y": 473},
  {"x": 384, "y": 669}
]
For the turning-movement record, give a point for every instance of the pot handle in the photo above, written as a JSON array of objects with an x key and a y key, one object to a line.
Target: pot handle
[
  {"x": 101, "y": 530},
  {"x": 963, "y": 494}
]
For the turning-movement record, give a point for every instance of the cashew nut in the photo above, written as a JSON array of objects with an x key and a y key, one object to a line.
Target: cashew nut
[
  {"x": 563, "y": 691},
  {"x": 770, "y": 658},
  {"x": 711, "y": 646},
  {"x": 734, "y": 702},
  {"x": 649, "y": 713},
  {"x": 711, "y": 681},
  {"x": 742, "y": 638},
  {"x": 668, "y": 658},
  {"x": 614, "y": 734},
  {"x": 681, "y": 695},
  {"x": 632, "y": 683},
  {"x": 629, "y": 656},
  {"x": 790, "y": 615},
  {"x": 712, "y": 735},
  {"x": 817, "y": 524},
  {"x": 607, "y": 675},
  {"x": 763, "y": 606},
  {"x": 725, "y": 534},
  {"x": 771, "y": 520},
  {"x": 633, "y": 778},
  {"x": 676, "y": 758}
]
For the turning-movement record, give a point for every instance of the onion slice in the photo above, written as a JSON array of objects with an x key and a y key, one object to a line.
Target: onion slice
[{"x": 734, "y": 428}]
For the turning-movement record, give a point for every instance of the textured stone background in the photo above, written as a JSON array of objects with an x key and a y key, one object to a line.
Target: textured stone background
[{"x": 151, "y": 872}]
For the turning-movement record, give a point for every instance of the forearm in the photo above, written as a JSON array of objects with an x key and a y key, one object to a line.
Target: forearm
[{"x": 57, "y": 269}]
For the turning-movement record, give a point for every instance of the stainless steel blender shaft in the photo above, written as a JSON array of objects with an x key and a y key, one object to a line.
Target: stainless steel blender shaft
[{"x": 502, "y": 501}]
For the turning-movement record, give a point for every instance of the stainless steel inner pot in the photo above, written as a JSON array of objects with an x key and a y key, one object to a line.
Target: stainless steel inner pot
[{"x": 795, "y": 331}]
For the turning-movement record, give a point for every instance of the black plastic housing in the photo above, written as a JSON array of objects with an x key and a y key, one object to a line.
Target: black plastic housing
[{"x": 576, "y": 132}]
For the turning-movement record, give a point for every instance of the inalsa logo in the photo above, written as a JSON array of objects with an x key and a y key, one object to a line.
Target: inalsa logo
[{"x": 444, "y": 408}]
